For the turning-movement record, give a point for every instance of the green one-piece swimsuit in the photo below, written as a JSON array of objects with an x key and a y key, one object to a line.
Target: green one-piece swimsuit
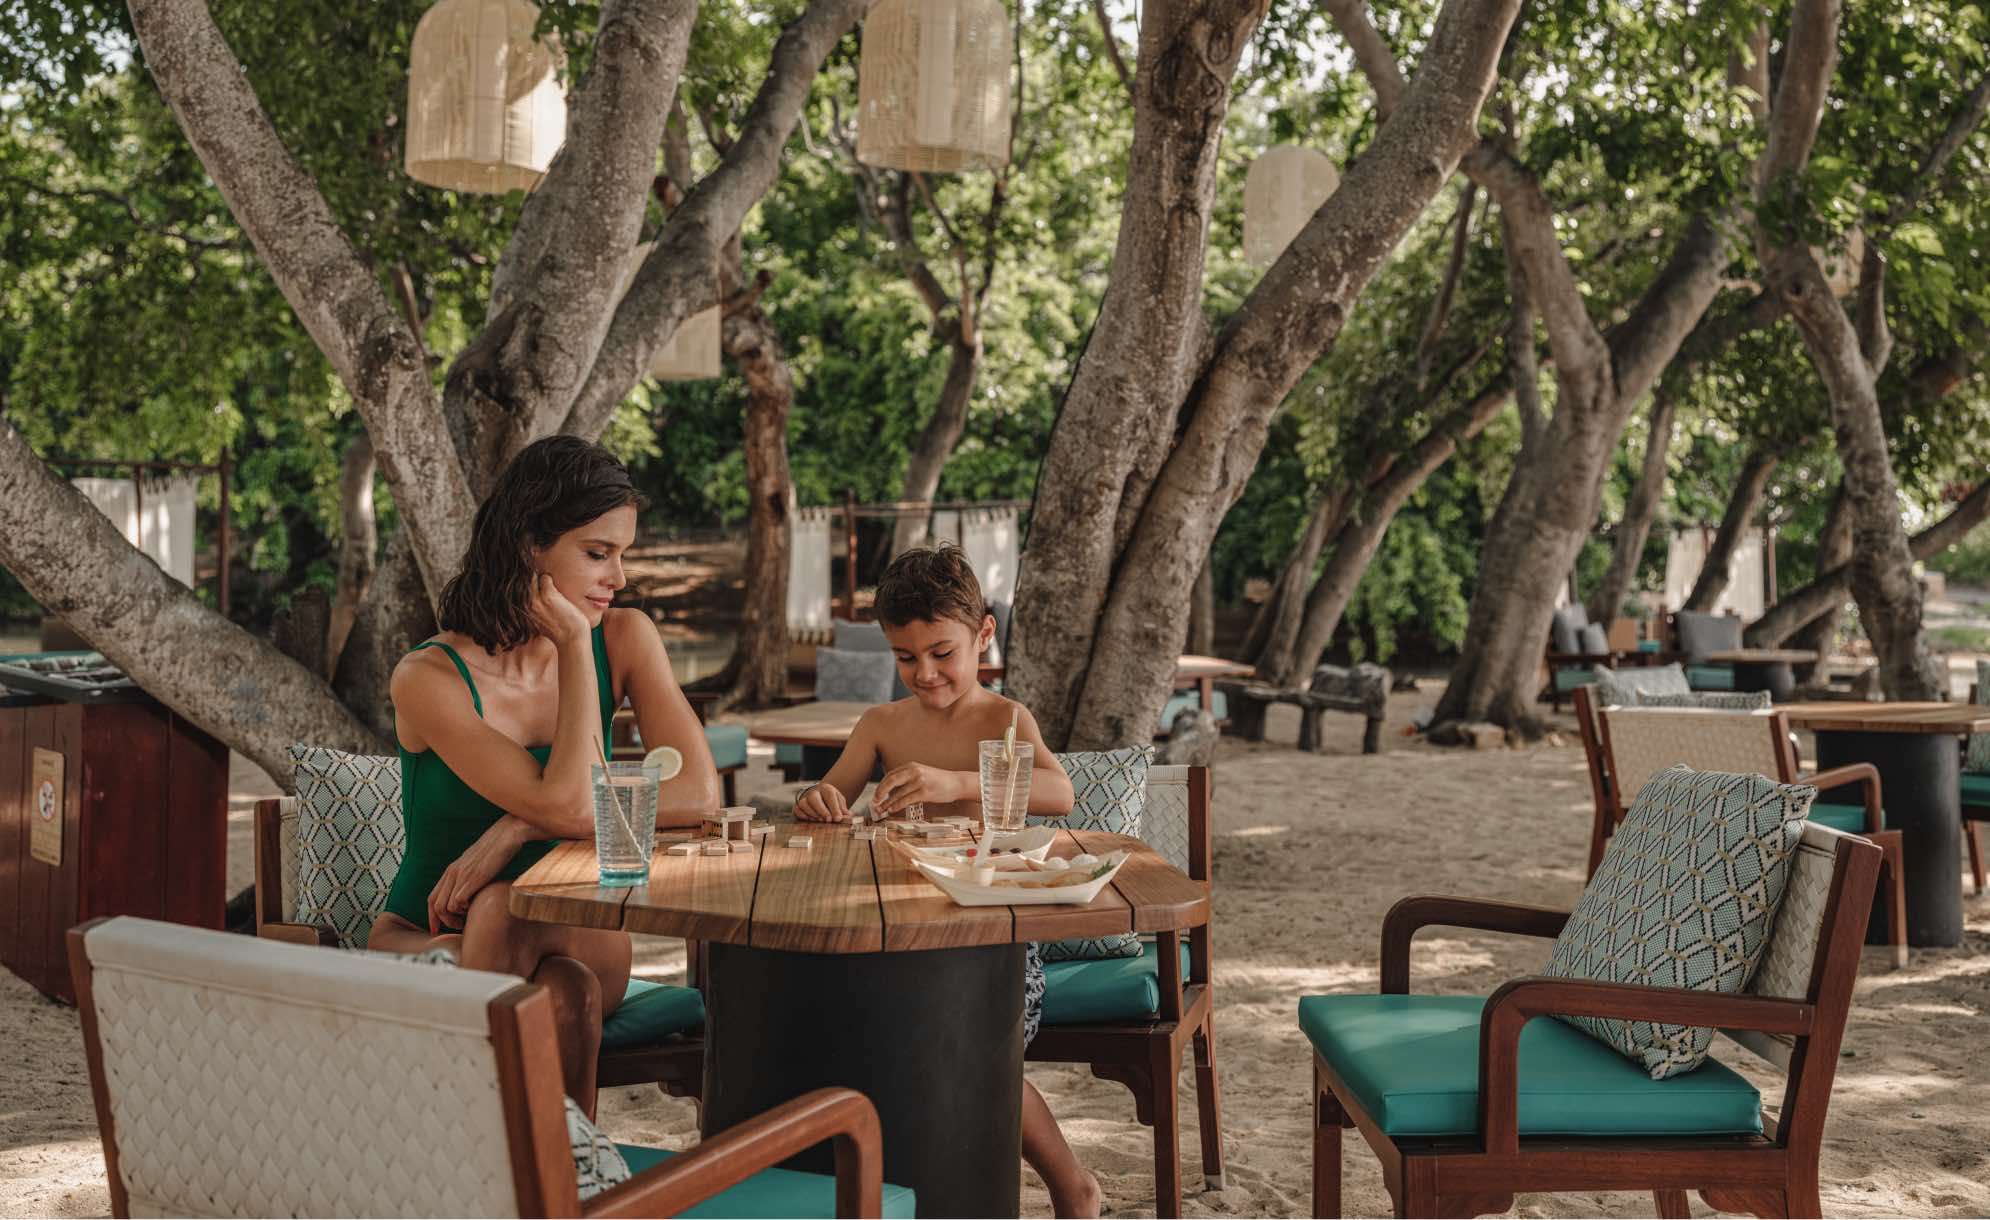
[{"x": 444, "y": 816}]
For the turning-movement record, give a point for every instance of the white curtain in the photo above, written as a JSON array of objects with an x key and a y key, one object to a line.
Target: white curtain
[
  {"x": 808, "y": 571},
  {"x": 1686, "y": 554},
  {"x": 164, "y": 529},
  {"x": 988, "y": 535}
]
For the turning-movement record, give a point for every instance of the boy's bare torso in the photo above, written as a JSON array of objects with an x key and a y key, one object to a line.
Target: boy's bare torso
[{"x": 909, "y": 732}]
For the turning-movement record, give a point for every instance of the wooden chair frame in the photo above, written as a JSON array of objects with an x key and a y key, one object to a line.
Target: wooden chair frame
[
  {"x": 1788, "y": 771},
  {"x": 1605, "y": 820},
  {"x": 1146, "y": 1056},
  {"x": 1773, "y": 1174},
  {"x": 1972, "y": 816},
  {"x": 677, "y": 1065},
  {"x": 529, "y": 1087}
]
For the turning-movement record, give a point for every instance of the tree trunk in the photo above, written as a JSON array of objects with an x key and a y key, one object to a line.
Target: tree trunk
[
  {"x": 393, "y": 617},
  {"x": 1749, "y": 488},
  {"x": 1627, "y": 548},
  {"x": 1834, "y": 549},
  {"x": 937, "y": 439},
  {"x": 1154, "y": 440},
  {"x": 358, "y": 539},
  {"x": 72, "y": 560},
  {"x": 1275, "y": 630},
  {"x": 759, "y": 667},
  {"x": 1202, "y": 614}
]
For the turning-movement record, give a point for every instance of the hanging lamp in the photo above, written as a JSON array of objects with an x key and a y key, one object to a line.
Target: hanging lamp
[
  {"x": 692, "y": 354},
  {"x": 485, "y": 109},
  {"x": 933, "y": 85},
  {"x": 1282, "y": 190}
]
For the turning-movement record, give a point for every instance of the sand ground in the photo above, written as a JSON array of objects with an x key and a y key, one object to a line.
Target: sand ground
[{"x": 1311, "y": 849}]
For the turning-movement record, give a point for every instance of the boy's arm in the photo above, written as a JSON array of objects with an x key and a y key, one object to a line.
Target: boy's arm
[
  {"x": 1050, "y": 788},
  {"x": 846, "y": 778}
]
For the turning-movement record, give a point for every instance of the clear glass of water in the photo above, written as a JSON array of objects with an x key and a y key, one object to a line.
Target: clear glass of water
[
  {"x": 1005, "y": 784},
  {"x": 625, "y": 821}
]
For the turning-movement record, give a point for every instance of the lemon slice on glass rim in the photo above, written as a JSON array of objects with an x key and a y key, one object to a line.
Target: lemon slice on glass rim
[{"x": 666, "y": 759}]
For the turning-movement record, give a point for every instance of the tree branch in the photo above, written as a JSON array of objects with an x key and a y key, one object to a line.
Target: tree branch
[
  {"x": 1809, "y": 52},
  {"x": 329, "y": 286},
  {"x": 1961, "y": 125},
  {"x": 1112, "y": 44},
  {"x": 677, "y": 278},
  {"x": 1371, "y": 53},
  {"x": 1440, "y": 308}
]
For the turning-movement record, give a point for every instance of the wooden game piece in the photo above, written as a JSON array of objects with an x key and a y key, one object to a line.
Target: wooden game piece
[
  {"x": 801, "y": 841},
  {"x": 717, "y": 847},
  {"x": 681, "y": 849}
]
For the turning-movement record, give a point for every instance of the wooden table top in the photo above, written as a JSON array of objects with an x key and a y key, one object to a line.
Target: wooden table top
[
  {"x": 1889, "y": 717},
  {"x": 1764, "y": 656},
  {"x": 845, "y": 895},
  {"x": 824, "y": 722}
]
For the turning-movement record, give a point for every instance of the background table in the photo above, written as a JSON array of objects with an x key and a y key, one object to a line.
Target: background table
[
  {"x": 842, "y": 965},
  {"x": 1913, "y": 747},
  {"x": 1764, "y": 668},
  {"x": 1190, "y": 670}
]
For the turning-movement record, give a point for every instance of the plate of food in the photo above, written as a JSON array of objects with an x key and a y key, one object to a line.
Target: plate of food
[
  {"x": 1018, "y": 881},
  {"x": 1030, "y": 843}
]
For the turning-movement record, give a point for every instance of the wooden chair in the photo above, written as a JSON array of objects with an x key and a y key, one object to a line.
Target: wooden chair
[
  {"x": 1975, "y": 808},
  {"x": 1139, "y": 1032},
  {"x": 1600, "y": 791},
  {"x": 236, "y": 1076},
  {"x": 1793, "y": 1015},
  {"x": 1641, "y": 742},
  {"x": 651, "y": 1037}
]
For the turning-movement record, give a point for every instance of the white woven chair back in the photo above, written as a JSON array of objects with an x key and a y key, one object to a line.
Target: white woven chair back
[
  {"x": 1645, "y": 741},
  {"x": 1164, "y": 818},
  {"x": 253, "y": 1078},
  {"x": 286, "y": 853},
  {"x": 1791, "y": 954}
]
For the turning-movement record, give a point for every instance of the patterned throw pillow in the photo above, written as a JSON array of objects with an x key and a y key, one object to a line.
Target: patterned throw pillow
[
  {"x": 1686, "y": 896},
  {"x": 1978, "y": 758},
  {"x": 856, "y": 677},
  {"x": 349, "y": 838},
  {"x": 1718, "y": 700},
  {"x": 1621, "y": 687},
  {"x": 1109, "y": 789},
  {"x": 598, "y": 1163}
]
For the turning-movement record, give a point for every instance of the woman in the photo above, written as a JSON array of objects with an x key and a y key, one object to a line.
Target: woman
[{"x": 500, "y": 717}]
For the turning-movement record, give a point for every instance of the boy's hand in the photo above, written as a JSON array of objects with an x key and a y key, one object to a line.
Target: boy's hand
[
  {"x": 823, "y": 803},
  {"x": 916, "y": 784}
]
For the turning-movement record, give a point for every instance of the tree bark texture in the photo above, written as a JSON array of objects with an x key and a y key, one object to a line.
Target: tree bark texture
[
  {"x": 358, "y": 540},
  {"x": 1627, "y": 546},
  {"x": 937, "y": 439},
  {"x": 1275, "y": 630},
  {"x": 1834, "y": 549},
  {"x": 1202, "y": 614},
  {"x": 1749, "y": 488},
  {"x": 393, "y": 617},
  {"x": 1154, "y": 442},
  {"x": 78, "y": 565},
  {"x": 759, "y": 668}
]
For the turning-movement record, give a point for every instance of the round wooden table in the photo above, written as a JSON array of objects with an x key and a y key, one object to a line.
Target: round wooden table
[
  {"x": 1913, "y": 747},
  {"x": 839, "y": 964}
]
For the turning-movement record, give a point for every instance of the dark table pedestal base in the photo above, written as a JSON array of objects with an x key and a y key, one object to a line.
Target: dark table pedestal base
[
  {"x": 1772, "y": 676},
  {"x": 1920, "y": 790},
  {"x": 934, "y": 1039}
]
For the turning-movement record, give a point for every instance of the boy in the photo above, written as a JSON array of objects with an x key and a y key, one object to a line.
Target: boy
[{"x": 930, "y": 605}]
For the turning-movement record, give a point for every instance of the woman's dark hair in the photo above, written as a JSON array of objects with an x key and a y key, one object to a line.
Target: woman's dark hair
[{"x": 554, "y": 485}]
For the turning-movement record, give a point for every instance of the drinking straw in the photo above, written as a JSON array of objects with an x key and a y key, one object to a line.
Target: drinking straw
[
  {"x": 1009, "y": 751},
  {"x": 615, "y": 802}
]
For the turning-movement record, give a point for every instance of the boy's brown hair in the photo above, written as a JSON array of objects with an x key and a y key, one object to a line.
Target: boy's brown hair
[{"x": 930, "y": 584}]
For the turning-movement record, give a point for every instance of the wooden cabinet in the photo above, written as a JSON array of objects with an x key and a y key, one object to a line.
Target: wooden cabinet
[{"x": 144, "y": 813}]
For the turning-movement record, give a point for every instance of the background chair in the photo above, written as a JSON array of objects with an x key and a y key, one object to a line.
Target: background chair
[
  {"x": 1468, "y": 1101},
  {"x": 727, "y": 741},
  {"x": 653, "y": 1035},
  {"x": 1130, "y": 1018},
  {"x": 1641, "y": 742},
  {"x": 1696, "y": 635},
  {"x": 240, "y": 1076},
  {"x": 1975, "y": 790}
]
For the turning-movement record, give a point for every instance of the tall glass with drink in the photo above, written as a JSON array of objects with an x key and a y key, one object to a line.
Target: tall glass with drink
[
  {"x": 625, "y": 821},
  {"x": 1005, "y": 783}
]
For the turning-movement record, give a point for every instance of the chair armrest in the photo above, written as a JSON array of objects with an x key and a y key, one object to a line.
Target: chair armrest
[
  {"x": 1437, "y": 910},
  {"x": 1509, "y": 1009},
  {"x": 737, "y": 1153},
  {"x": 299, "y": 933},
  {"x": 1863, "y": 774}
]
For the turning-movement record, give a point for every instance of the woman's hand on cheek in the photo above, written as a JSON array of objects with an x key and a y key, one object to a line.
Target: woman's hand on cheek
[{"x": 556, "y": 618}]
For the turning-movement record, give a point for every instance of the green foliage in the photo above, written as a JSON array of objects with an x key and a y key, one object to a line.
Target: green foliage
[{"x": 1968, "y": 562}]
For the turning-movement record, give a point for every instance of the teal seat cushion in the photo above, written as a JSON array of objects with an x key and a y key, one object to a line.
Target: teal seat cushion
[
  {"x": 788, "y": 755},
  {"x": 1976, "y": 787},
  {"x": 1112, "y": 989},
  {"x": 1710, "y": 677},
  {"x": 649, "y": 1013},
  {"x": 728, "y": 742},
  {"x": 1182, "y": 700},
  {"x": 1848, "y": 818},
  {"x": 1567, "y": 679},
  {"x": 1412, "y": 1062},
  {"x": 771, "y": 1192}
]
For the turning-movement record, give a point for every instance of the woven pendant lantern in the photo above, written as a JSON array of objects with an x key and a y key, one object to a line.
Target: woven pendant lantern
[
  {"x": 692, "y": 354},
  {"x": 933, "y": 85},
  {"x": 485, "y": 108},
  {"x": 1283, "y": 189}
]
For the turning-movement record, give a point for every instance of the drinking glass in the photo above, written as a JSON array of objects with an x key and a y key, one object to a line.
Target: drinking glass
[
  {"x": 625, "y": 821},
  {"x": 1005, "y": 784}
]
